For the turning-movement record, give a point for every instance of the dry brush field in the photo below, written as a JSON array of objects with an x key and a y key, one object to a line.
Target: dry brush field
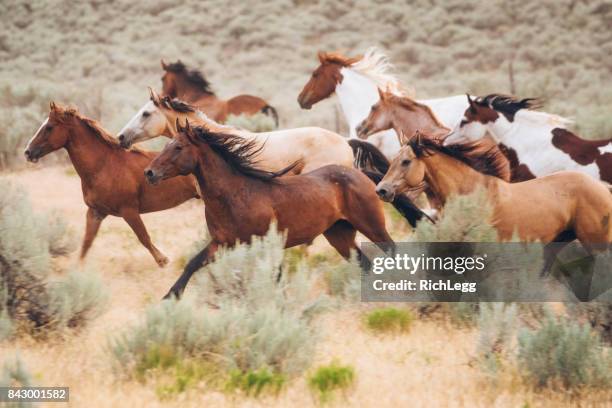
[{"x": 102, "y": 57}]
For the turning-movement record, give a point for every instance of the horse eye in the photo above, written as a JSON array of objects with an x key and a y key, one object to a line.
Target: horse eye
[
  {"x": 146, "y": 114},
  {"x": 49, "y": 128},
  {"x": 405, "y": 162},
  {"x": 463, "y": 122},
  {"x": 178, "y": 147}
]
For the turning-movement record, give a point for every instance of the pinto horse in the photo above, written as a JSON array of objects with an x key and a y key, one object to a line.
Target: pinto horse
[
  {"x": 242, "y": 200},
  {"x": 190, "y": 85},
  {"x": 559, "y": 207},
  {"x": 111, "y": 178},
  {"x": 537, "y": 143},
  {"x": 315, "y": 147},
  {"x": 355, "y": 81}
]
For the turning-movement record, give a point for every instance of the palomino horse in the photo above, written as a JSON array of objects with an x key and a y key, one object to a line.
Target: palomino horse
[
  {"x": 355, "y": 81},
  {"x": 537, "y": 143},
  {"x": 190, "y": 85},
  {"x": 111, "y": 178},
  {"x": 315, "y": 147},
  {"x": 242, "y": 201},
  {"x": 556, "y": 208}
]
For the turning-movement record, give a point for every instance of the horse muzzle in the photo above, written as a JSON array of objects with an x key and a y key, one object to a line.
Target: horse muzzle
[
  {"x": 152, "y": 177},
  {"x": 385, "y": 193},
  {"x": 362, "y": 131},
  {"x": 303, "y": 101},
  {"x": 32, "y": 155},
  {"x": 124, "y": 142}
]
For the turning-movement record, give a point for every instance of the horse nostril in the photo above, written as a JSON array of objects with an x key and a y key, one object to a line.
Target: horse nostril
[
  {"x": 381, "y": 192},
  {"x": 149, "y": 173},
  {"x": 27, "y": 153},
  {"x": 121, "y": 137}
]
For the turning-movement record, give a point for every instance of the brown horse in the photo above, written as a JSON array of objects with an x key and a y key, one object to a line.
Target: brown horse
[
  {"x": 557, "y": 208},
  {"x": 111, "y": 178},
  {"x": 191, "y": 86},
  {"x": 242, "y": 201}
]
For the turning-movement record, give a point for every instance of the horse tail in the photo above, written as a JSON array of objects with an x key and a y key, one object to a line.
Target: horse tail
[
  {"x": 270, "y": 110},
  {"x": 374, "y": 164}
]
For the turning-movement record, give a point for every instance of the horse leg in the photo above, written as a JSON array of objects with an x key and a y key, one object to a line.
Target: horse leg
[
  {"x": 198, "y": 261},
  {"x": 552, "y": 249},
  {"x": 341, "y": 236},
  {"x": 132, "y": 217},
  {"x": 94, "y": 219}
]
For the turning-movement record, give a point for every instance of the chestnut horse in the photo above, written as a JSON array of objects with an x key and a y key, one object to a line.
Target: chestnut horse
[
  {"x": 559, "y": 207},
  {"x": 111, "y": 178},
  {"x": 191, "y": 86},
  {"x": 315, "y": 147},
  {"x": 242, "y": 201}
]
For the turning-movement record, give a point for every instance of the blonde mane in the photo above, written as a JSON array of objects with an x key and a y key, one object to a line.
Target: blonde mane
[
  {"x": 544, "y": 118},
  {"x": 376, "y": 66}
]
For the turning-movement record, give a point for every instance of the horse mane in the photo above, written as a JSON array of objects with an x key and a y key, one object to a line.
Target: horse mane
[
  {"x": 509, "y": 106},
  {"x": 177, "y": 105},
  {"x": 411, "y": 104},
  {"x": 238, "y": 153},
  {"x": 491, "y": 161},
  {"x": 193, "y": 76},
  {"x": 376, "y": 66},
  {"x": 63, "y": 115}
]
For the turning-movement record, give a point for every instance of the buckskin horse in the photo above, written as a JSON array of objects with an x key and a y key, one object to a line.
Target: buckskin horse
[
  {"x": 191, "y": 86},
  {"x": 112, "y": 178},
  {"x": 537, "y": 143},
  {"x": 242, "y": 200},
  {"x": 557, "y": 208}
]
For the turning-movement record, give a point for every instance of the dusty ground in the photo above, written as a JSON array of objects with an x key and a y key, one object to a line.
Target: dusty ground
[{"x": 428, "y": 367}]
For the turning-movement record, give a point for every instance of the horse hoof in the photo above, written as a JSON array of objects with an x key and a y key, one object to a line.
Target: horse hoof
[{"x": 162, "y": 261}]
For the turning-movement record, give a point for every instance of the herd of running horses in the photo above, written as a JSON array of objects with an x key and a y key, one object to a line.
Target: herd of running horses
[{"x": 544, "y": 183}]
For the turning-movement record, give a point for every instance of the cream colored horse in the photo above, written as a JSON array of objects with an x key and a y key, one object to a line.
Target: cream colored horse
[{"x": 315, "y": 147}]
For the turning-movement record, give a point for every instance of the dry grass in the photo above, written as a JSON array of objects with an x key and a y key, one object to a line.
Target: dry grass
[{"x": 432, "y": 365}]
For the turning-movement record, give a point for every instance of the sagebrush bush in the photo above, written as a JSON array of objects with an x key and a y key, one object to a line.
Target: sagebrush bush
[
  {"x": 328, "y": 379},
  {"x": 15, "y": 374},
  {"x": 254, "y": 382},
  {"x": 497, "y": 325},
  {"x": 465, "y": 218},
  {"x": 344, "y": 279},
  {"x": 242, "y": 317},
  {"x": 598, "y": 314},
  {"x": 28, "y": 299},
  {"x": 566, "y": 354},
  {"x": 389, "y": 320},
  {"x": 255, "y": 123}
]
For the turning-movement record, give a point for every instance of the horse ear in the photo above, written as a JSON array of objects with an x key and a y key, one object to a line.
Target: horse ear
[
  {"x": 179, "y": 128},
  {"x": 163, "y": 64},
  {"x": 404, "y": 140},
  {"x": 472, "y": 103},
  {"x": 322, "y": 56},
  {"x": 153, "y": 96},
  {"x": 187, "y": 127},
  {"x": 381, "y": 94},
  {"x": 52, "y": 106}
]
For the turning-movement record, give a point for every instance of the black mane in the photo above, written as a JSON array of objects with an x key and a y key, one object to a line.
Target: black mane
[
  {"x": 508, "y": 105},
  {"x": 491, "y": 161},
  {"x": 238, "y": 153},
  {"x": 193, "y": 76}
]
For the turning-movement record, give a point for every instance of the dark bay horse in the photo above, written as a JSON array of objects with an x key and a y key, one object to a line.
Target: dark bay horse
[
  {"x": 191, "y": 86},
  {"x": 111, "y": 178},
  {"x": 242, "y": 201}
]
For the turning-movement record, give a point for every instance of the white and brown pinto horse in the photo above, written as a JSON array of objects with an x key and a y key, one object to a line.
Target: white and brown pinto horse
[
  {"x": 356, "y": 82},
  {"x": 312, "y": 146},
  {"x": 559, "y": 207},
  {"x": 191, "y": 86},
  {"x": 537, "y": 143}
]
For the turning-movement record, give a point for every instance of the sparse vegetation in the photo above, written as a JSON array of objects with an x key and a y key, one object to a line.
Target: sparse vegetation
[
  {"x": 256, "y": 326},
  {"x": 389, "y": 320},
  {"x": 15, "y": 374},
  {"x": 566, "y": 354},
  {"x": 329, "y": 379},
  {"x": 255, "y": 123},
  {"x": 497, "y": 326},
  {"x": 29, "y": 301}
]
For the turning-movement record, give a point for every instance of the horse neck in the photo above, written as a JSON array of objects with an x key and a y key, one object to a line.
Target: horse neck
[
  {"x": 447, "y": 176},
  {"x": 217, "y": 179},
  {"x": 189, "y": 93},
  {"x": 521, "y": 135},
  {"x": 356, "y": 94},
  {"x": 87, "y": 152},
  {"x": 408, "y": 122}
]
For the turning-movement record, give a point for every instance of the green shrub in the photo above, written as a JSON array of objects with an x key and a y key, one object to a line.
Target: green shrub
[
  {"x": 465, "y": 218},
  {"x": 254, "y": 123},
  {"x": 564, "y": 353},
  {"x": 238, "y": 318},
  {"x": 598, "y": 314},
  {"x": 497, "y": 326},
  {"x": 463, "y": 313},
  {"x": 389, "y": 320},
  {"x": 254, "y": 382},
  {"x": 328, "y": 379},
  {"x": 344, "y": 279},
  {"x": 15, "y": 374},
  {"x": 27, "y": 298}
]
